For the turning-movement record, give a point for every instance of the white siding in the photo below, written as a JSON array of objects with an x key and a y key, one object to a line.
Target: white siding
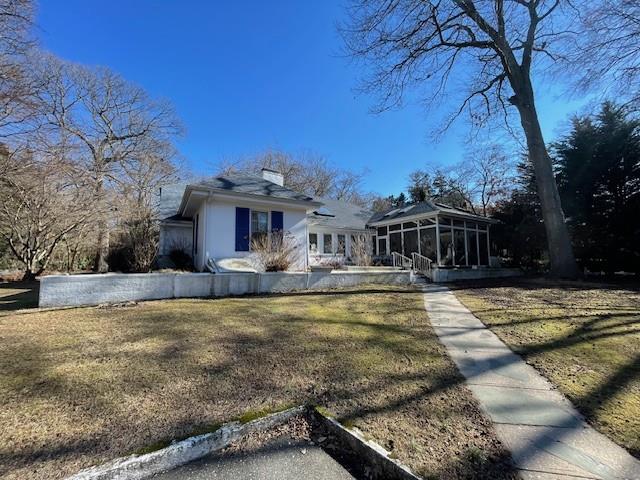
[
  {"x": 318, "y": 256},
  {"x": 199, "y": 257},
  {"x": 175, "y": 235},
  {"x": 221, "y": 229}
]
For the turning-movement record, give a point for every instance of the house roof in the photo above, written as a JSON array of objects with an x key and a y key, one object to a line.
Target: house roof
[
  {"x": 170, "y": 198},
  {"x": 423, "y": 208},
  {"x": 251, "y": 185},
  {"x": 339, "y": 214}
]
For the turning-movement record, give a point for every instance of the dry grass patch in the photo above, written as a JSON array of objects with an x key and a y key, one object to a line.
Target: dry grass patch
[
  {"x": 584, "y": 337},
  {"x": 81, "y": 386}
]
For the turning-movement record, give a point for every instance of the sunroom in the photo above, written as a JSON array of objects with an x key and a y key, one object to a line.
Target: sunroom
[{"x": 448, "y": 237}]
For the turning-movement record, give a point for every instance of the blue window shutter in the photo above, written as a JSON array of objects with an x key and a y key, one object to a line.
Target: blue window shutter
[
  {"x": 242, "y": 229},
  {"x": 277, "y": 221}
]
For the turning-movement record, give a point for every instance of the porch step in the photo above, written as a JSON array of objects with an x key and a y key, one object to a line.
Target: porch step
[{"x": 419, "y": 279}]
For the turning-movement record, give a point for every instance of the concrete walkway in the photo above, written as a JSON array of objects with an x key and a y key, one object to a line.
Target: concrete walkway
[
  {"x": 280, "y": 459},
  {"x": 547, "y": 437}
]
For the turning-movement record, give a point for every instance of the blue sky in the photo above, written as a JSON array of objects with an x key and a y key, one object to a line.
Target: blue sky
[{"x": 246, "y": 76}]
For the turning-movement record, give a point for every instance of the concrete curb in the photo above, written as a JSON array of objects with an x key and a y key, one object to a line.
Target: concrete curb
[
  {"x": 135, "y": 467},
  {"x": 381, "y": 465}
]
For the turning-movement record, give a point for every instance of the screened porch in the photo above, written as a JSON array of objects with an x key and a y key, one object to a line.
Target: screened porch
[{"x": 447, "y": 240}]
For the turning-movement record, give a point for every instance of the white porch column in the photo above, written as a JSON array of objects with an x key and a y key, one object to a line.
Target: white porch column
[
  {"x": 438, "y": 239},
  {"x": 488, "y": 248},
  {"x": 466, "y": 246}
]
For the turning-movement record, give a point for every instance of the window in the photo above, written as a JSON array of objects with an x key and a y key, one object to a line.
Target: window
[
  {"x": 427, "y": 221},
  {"x": 313, "y": 242},
  {"x": 446, "y": 246},
  {"x": 394, "y": 227},
  {"x": 259, "y": 225},
  {"x": 395, "y": 242},
  {"x": 409, "y": 225},
  {"x": 461, "y": 256},
  {"x": 472, "y": 246},
  {"x": 410, "y": 242},
  {"x": 444, "y": 221},
  {"x": 327, "y": 247},
  {"x": 458, "y": 223},
  {"x": 382, "y": 231},
  {"x": 484, "y": 253},
  {"x": 382, "y": 246},
  {"x": 428, "y": 246},
  {"x": 482, "y": 226},
  {"x": 342, "y": 244}
]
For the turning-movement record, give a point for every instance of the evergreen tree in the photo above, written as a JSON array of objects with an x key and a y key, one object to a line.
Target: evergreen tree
[{"x": 598, "y": 166}]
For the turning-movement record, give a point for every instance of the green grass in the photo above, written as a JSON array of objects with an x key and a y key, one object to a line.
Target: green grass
[
  {"x": 82, "y": 386},
  {"x": 584, "y": 337}
]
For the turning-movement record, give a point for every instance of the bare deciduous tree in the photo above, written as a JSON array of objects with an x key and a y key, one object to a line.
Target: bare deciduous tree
[
  {"x": 488, "y": 48},
  {"x": 112, "y": 126},
  {"x": 307, "y": 172},
  {"x": 40, "y": 204},
  {"x": 16, "y": 86},
  {"x": 484, "y": 178},
  {"x": 609, "y": 56}
]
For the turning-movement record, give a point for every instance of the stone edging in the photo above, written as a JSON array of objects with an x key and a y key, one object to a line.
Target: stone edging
[{"x": 138, "y": 467}]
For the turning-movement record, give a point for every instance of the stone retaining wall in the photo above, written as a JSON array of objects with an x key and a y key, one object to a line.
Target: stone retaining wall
[{"x": 78, "y": 290}]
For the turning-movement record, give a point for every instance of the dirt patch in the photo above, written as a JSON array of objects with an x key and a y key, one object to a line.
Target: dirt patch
[{"x": 82, "y": 386}]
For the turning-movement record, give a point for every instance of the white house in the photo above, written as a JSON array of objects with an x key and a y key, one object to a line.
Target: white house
[{"x": 215, "y": 220}]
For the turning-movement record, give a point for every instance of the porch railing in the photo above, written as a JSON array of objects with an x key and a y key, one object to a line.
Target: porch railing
[
  {"x": 421, "y": 264},
  {"x": 400, "y": 261}
]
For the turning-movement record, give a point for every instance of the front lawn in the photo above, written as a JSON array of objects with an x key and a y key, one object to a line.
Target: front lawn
[
  {"x": 584, "y": 337},
  {"x": 81, "y": 386}
]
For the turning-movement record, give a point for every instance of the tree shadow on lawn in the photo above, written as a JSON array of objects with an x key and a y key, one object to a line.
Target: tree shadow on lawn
[
  {"x": 607, "y": 343},
  {"x": 386, "y": 376},
  {"x": 540, "y": 282},
  {"x": 383, "y": 371},
  {"x": 18, "y": 295}
]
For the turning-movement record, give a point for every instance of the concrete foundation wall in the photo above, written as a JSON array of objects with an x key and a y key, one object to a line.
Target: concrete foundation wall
[
  {"x": 444, "y": 275},
  {"x": 79, "y": 290}
]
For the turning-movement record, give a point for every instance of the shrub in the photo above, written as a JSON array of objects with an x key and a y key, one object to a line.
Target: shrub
[
  {"x": 181, "y": 259},
  {"x": 136, "y": 248},
  {"x": 273, "y": 253},
  {"x": 360, "y": 250},
  {"x": 142, "y": 233},
  {"x": 334, "y": 262}
]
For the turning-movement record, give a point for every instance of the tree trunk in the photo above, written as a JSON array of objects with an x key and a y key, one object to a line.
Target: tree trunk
[
  {"x": 102, "y": 252},
  {"x": 101, "y": 265},
  {"x": 28, "y": 276},
  {"x": 563, "y": 263}
]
